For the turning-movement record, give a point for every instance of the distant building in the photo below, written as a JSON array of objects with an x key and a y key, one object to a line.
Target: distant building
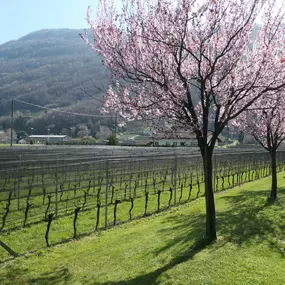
[
  {"x": 174, "y": 139},
  {"x": 177, "y": 139},
  {"x": 49, "y": 138},
  {"x": 128, "y": 142}
]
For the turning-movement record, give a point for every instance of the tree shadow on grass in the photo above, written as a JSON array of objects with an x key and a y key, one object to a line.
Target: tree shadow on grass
[
  {"x": 247, "y": 218},
  {"x": 151, "y": 278},
  {"x": 189, "y": 233},
  {"x": 189, "y": 238},
  {"x": 186, "y": 229},
  {"x": 11, "y": 275},
  {"x": 58, "y": 276},
  {"x": 16, "y": 275},
  {"x": 251, "y": 217}
]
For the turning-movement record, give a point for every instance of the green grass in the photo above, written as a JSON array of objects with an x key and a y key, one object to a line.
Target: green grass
[
  {"x": 62, "y": 228},
  {"x": 66, "y": 201},
  {"x": 232, "y": 144},
  {"x": 161, "y": 249},
  {"x": 5, "y": 145}
]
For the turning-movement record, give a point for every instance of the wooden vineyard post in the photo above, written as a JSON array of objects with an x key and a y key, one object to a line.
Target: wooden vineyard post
[
  {"x": 56, "y": 190},
  {"x": 130, "y": 178},
  {"x": 106, "y": 194},
  {"x": 174, "y": 174},
  {"x": 93, "y": 174},
  {"x": 19, "y": 181}
]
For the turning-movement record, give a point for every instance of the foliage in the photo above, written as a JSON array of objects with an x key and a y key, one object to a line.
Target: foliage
[
  {"x": 21, "y": 135},
  {"x": 265, "y": 121},
  {"x": 167, "y": 65},
  {"x": 113, "y": 140}
]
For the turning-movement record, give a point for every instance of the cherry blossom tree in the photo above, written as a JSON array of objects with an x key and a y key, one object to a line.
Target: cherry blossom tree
[
  {"x": 265, "y": 121},
  {"x": 164, "y": 56}
]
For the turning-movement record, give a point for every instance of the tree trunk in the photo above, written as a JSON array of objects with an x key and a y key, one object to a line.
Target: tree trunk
[
  {"x": 273, "y": 194},
  {"x": 209, "y": 195}
]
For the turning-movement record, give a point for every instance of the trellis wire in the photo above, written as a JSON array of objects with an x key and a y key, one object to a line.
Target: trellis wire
[{"x": 117, "y": 183}]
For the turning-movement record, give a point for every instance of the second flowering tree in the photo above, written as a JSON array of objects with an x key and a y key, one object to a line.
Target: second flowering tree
[{"x": 265, "y": 121}]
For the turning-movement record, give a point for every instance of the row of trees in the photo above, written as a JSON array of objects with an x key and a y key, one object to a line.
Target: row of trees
[{"x": 228, "y": 53}]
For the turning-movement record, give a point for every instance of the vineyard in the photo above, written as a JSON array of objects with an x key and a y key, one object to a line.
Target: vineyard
[{"x": 91, "y": 189}]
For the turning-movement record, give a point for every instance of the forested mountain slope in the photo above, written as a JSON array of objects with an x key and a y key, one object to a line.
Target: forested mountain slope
[{"x": 50, "y": 68}]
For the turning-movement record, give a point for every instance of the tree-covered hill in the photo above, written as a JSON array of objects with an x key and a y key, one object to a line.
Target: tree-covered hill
[{"x": 50, "y": 68}]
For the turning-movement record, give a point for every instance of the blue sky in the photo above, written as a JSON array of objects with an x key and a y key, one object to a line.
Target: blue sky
[{"x": 20, "y": 17}]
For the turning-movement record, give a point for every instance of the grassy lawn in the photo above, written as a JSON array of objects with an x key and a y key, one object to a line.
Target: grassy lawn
[
  {"x": 7, "y": 145},
  {"x": 162, "y": 249}
]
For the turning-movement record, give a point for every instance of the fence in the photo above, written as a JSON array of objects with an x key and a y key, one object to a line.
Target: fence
[{"x": 116, "y": 189}]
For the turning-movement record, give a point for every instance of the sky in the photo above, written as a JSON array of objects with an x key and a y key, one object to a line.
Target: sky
[{"x": 21, "y": 17}]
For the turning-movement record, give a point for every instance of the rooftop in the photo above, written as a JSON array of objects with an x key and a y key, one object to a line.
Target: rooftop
[{"x": 47, "y": 136}]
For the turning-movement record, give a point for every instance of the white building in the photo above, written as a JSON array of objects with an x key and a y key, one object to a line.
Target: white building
[
  {"x": 174, "y": 139},
  {"x": 49, "y": 138}
]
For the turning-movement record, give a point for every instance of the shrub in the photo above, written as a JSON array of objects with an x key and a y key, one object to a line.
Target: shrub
[{"x": 113, "y": 140}]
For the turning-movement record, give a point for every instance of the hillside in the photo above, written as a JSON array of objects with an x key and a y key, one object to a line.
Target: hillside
[{"x": 50, "y": 68}]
